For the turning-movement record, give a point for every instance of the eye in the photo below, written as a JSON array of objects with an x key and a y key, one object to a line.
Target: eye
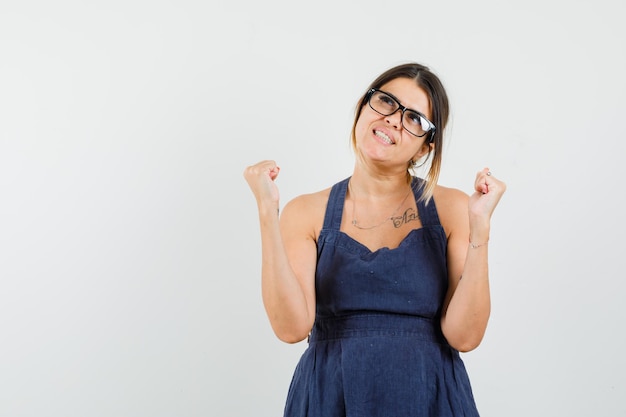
[
  {"x": 386, "y": 101},
  {"x": 416, "y": 120}
]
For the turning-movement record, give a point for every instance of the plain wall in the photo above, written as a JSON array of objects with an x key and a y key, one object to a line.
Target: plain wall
[{"x": 129, "y": 240}]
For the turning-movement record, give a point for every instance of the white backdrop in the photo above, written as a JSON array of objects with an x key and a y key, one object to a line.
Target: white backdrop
[{"x": 129, "y": 243}]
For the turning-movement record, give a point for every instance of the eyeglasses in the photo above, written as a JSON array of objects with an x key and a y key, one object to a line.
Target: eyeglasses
[{"x": 413, "y": 121}]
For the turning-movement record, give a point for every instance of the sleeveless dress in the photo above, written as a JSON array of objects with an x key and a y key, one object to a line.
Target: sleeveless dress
[{"x": 376, "y": 348}]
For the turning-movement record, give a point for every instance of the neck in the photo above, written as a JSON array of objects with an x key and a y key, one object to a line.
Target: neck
[
  {"x": 378, "y": 203},
  {"x": 379, "y": 187}
]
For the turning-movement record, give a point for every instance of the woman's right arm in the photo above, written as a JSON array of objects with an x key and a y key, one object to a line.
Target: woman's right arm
[{"x": 289, "y": 256}]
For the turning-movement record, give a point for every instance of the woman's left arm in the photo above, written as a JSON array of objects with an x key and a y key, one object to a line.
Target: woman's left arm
[{"x": 467, "y": 305}]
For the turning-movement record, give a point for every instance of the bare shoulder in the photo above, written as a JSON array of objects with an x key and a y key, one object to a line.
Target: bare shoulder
[
  {"x": 449, "y": 196},
  {"x": 452, "y": 207},
  {"x": 306, "y": 212},
  {"x": 309, "y": 203}
]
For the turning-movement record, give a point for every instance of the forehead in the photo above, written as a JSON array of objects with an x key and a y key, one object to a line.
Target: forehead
[{"x": 409, "y": 93}]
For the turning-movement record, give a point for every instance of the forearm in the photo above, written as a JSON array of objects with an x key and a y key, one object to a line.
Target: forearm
[
  {"x": 283, "y": 296},
  {"x": 465, "y": 320},
  {"x": 468, "y": 303}
]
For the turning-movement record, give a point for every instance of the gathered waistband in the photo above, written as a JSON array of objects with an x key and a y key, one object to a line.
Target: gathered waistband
[{"x": 368, "y": 325}]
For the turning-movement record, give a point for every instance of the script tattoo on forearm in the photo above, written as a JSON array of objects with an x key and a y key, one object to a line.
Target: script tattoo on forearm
[{"x": 407, "y": 216}]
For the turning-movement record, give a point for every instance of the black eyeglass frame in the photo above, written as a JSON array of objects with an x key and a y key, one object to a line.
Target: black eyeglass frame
[{"x": 432, "y": 126}]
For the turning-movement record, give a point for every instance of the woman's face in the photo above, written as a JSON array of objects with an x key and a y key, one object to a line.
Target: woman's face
[{"x": 382, "y": 138}]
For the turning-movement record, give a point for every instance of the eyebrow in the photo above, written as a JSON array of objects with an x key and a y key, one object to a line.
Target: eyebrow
[{"x": 400, "y": 103}]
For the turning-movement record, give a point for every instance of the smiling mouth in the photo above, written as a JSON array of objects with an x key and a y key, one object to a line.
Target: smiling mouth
[{"x": 384, "y": 137}]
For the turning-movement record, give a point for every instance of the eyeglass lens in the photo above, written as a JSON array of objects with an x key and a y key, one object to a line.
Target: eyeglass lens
[{"x": 412, "y": 121}]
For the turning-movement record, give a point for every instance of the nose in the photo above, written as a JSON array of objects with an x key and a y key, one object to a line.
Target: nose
[{"x": 395, "y": 119}]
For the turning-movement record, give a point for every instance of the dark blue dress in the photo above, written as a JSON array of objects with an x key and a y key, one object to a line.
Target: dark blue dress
[{"x": 376, "y": 348}]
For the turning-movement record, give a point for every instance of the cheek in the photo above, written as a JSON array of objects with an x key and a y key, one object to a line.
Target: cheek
[
  {"x": 362, "y": 127},
  {"x": 423, "y": 149}
]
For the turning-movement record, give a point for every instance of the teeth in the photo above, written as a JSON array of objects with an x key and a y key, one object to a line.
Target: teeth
[{"x": 383, "y": 137}]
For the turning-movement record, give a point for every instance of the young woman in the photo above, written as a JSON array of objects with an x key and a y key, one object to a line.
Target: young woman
[{"x": 386, "y": 273}]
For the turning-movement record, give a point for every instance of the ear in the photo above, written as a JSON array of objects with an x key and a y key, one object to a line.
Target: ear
[{"x": 426, "y": 148}]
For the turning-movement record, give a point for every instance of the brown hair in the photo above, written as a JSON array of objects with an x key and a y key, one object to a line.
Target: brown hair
[{"x": 431, "y": 84}]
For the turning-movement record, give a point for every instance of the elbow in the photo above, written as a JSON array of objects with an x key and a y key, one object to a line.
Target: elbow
[
  {"x": 291, "y": 335},
  {"x": 291, "y": 339},
  {"x": 466, "y": 345},
  {"x": 466, "y": 342},
  {"x": 464, "y": 336}
]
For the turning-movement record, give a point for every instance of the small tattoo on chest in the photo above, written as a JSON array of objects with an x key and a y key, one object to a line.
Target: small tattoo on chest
[{"x": 409, "y": 215}]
